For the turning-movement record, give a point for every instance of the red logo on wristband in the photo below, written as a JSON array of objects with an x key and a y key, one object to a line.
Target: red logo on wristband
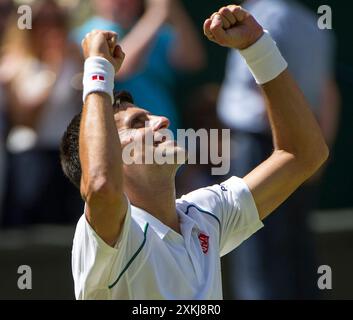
[{"x": 97, "y": 77}]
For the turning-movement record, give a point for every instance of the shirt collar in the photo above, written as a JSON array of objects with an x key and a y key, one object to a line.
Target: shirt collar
[
  {"x": 185, "y": 218},
  {"x": 143, "y": 216},
  {"x": 159, "y": 227}
]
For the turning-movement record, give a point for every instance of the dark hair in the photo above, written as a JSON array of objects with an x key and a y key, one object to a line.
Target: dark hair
[{"x": 69, "y": 148}]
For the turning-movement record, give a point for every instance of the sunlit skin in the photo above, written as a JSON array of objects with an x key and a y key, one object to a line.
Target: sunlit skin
[
  {"x": 134, "y": 123},
  {"x": 107, "y": 184}
]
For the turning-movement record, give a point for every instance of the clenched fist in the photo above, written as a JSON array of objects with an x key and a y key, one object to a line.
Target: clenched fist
[
  {"x": 104, "y": 44},
  {"x": 232, "y": 27}
]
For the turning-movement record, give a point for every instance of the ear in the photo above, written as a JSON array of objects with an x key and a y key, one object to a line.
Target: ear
[
  {"x": 125, "y": 136},
  {"x": 82, "y": 189}
]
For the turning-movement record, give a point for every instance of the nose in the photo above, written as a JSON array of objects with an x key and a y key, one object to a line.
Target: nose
[{"x": 160, "y": 122}]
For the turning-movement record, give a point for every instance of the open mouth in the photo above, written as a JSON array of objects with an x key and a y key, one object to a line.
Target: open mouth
[
  {"x": 166, "y": 142},
  {"x": 158, "y": 141},
  {"x": 164, "y": 138}
]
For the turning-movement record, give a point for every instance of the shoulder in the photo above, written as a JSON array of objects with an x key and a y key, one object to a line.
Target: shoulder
[
  {"x": 228, "y": 207},
  {"x": 232, "y": 194},
  {"x": 85, "y": 236},
  {"x": 217, "y": 199},
  {"x": 215, "y": 191}
]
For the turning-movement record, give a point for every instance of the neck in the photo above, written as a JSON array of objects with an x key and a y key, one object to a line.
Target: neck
[{"x": 156, "y": 195}]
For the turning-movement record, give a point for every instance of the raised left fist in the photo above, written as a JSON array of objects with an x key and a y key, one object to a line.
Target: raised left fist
[
  {"x": 104, "y": 44},
  {"x": 232, "y": 27}
]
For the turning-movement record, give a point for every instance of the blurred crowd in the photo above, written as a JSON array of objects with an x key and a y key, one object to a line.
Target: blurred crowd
[
  {"x": 41, "y": 91},
  {"x": 41, "y": 75}
]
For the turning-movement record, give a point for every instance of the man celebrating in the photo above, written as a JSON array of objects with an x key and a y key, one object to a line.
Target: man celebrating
[{"x": 135, "y": 240}]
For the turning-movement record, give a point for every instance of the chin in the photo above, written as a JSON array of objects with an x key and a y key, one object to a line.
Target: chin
[{"x": 171, "y": 150}]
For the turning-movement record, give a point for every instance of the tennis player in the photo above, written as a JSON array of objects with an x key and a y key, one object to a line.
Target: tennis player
[{"x": 135, "y": 240}]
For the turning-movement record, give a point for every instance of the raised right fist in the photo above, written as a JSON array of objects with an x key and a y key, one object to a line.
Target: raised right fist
[
  {"x": 104, "y": 44},
  {"x": 232, "y": 27}
]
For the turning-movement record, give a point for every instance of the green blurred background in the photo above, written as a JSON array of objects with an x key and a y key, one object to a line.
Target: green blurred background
[{"x": 48, "y": 250}]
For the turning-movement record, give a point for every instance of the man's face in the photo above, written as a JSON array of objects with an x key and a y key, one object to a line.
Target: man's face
[{"x": 146, "y": 136}]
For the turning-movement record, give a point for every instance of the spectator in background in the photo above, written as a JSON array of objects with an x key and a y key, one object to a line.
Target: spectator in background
[
  {"x": 155, "y": 51},
  {"x": 6, "y": 9},
  {"x": 278, "y": 262},
  {"x": 38, "y": 70}
]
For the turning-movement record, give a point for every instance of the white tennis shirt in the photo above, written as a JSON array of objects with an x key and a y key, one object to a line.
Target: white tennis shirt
[{"x": 152, "y": 261}]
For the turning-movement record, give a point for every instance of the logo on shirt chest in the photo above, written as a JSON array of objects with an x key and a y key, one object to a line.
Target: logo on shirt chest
[{"x": 204, "y": 242}]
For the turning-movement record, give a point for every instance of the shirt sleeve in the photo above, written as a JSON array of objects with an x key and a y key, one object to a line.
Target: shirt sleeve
[
  {"x": 93, "y": 259},
  {"x": 233, "y": 205}
]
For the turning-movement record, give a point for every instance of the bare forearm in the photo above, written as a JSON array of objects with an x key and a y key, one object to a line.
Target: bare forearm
[
  {"x": 99, "y": 144},
  {"x": 293, "y": 125},
  {"x": 137, "y": 41},
  {"x": 188, "y": 52},
  {"x": 100, "y": 150},
  {"x": 300, "y": 148}
]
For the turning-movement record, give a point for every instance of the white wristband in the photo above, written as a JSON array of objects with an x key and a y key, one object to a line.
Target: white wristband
[
  {"x": 264, "y": 59},
  {"x": 98, "y": 77}
]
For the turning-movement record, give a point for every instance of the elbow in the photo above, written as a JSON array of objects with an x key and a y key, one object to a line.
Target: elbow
[
  {"x": 315, "y": 158},
  {"x": 101, "y": 189},
  {"x": 325, "y": 153},
  {"x": 322, "y": 153}
]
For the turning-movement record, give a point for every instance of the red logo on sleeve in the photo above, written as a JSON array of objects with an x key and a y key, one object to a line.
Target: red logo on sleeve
[
  {"x": 97, "y": 77},
  {"x": 204, "y": 242}
]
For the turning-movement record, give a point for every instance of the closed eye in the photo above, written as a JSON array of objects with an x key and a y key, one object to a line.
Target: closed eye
[{"x": 139, "y": 122}]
